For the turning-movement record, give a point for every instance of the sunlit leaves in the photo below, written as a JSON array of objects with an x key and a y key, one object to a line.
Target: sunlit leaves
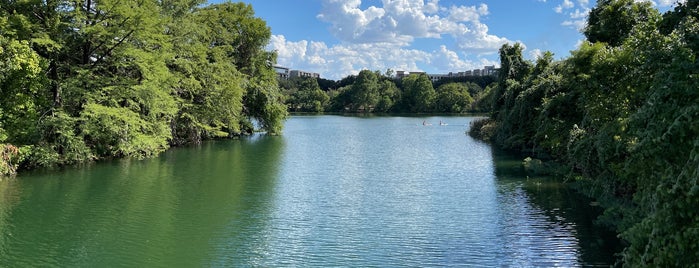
[{"x": 622, "y": 114}]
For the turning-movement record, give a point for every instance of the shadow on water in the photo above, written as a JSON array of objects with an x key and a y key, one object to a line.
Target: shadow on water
[
  {"x": 558, "y": 204},
  {"x": 168, "y": 211}
]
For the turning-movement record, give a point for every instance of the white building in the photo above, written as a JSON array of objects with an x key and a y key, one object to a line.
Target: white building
[
  {"x": 486, "y": 71},
  {"x": 282, "y": 72},
  {"x": 299, "y": 73},
  {"x": 286, "y": 73}
]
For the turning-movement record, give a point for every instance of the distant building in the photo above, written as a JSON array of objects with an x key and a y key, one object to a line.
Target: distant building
[
  {"x": 299, "y": 73},
  {"x": 282, "y": 72},
  {"x": 286, "y": 73},
  {"x": 486, "y": 71},
  {"x": 400, "y": 74},
  {"x": 489, "y": 70}
]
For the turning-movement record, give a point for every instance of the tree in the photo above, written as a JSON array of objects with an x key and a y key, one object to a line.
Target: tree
[
  {"x": 611, "y": 21},
  {"x": 365, "y": 91},
  {"x": 418, "y": 93},
  {"x": 389, "y": 95},
  {"x": 309, "y": 97},
  {"x": 620, "y": 116},
  {"x": 453, "y": 98},
  {"x": 22, "y": 80},
  {"x": 234, "y": 34},
  {"x": 129, "y": 78}
]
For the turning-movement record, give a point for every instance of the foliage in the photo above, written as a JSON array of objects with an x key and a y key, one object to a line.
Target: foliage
[
  {"x": 308, "y": 97},
  {"x": 611, "y": 21},
  {"x": 389, "y": 95},
  {"x": 21, "y": 80},
  {"x": 418, "y": 93},
  {"x": 373, "y": 91},
  {"x": 365, "y": 91},
  {"x": 621, "y": 114},
  {"x": 453, "y": 98},
  {"x": 99, "y": 79},
  {"x": 9, "y": 158}
]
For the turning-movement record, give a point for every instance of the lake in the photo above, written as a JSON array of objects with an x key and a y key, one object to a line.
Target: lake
[{"x": 331, "y": 191}]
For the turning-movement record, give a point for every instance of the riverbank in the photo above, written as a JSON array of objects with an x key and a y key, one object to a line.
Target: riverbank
[
  {"x": 121, "y": 83},
  {"x": 620, "y": 115}
]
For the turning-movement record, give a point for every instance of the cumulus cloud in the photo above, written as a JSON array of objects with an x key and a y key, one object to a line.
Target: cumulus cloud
[
  {"x": 578, "y": 18},
  {"x": 381, "y": 37},
  {"x": 663, "y": 3},
  {"x": 341, "y": 60},
  {"x": 536, "y": 53},
  {"x": 400, "y": 22},
  {"x": 567, "y": 4}
]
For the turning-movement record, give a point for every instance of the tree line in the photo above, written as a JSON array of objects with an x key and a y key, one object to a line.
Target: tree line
[
  {"x": 620, "y": 116},
  {"x": 376, "y": 92},
  {"x": 85, "y": 80}
]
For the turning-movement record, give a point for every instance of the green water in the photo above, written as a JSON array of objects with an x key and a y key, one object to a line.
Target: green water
[{"x": 331, "y": 191}]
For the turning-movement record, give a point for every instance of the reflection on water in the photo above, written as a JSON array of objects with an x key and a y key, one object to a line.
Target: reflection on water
[
  {"x": 169, "y": 211},
  {"x": 332, "y": 191},
  {"x": 555, "y": 214}
]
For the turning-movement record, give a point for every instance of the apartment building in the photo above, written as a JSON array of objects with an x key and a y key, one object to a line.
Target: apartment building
[{"x": 286, "y": 73}]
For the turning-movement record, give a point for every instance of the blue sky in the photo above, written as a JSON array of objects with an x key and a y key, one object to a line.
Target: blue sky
[{"x": 337, "y": 38}]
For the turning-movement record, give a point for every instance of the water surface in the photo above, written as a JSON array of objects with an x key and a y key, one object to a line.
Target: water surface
[{"x": 331, "y": 191}]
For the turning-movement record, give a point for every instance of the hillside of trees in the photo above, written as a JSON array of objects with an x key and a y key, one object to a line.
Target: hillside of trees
[
  {"x": 374, "y": 92},
  {"x": 620, "y": 117},
  {"x": 87, "y": 80}
]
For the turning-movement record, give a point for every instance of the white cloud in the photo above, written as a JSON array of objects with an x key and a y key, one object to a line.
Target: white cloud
[
  {"x": 567, "y": 4},
  {"x": 447, "y": 60},
  {"x": 400, "y": 22},
  {"x": 432, "y": 7},
  {"x": 536, "y": 54},
  {"x": 381, "y": 37},
  {"x": 338, "y": 61},
  {"x": 577, "y": 24},
  {"x": 578, "y": 18},
  {"x": 579, "y": 14},
  {"x": 663, "y": 3}
]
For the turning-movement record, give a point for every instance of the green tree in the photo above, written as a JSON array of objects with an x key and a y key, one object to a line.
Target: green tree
[
  {"x": 453, "y": 98},
  {"x": 365, "y": 91},
  {"x": 664, "y": 153},
  {"x": 22, "y": 81},
  {"x": 611, "y": 21},
  {"x": 309, "y": 97},
  {"x": 620, "y": 115},
  {"x": 418, "y": 93},
  {"x": 234, "y": 34},
  {"x": 389, "y": 95},
  {"x": 129, "y": 78}
]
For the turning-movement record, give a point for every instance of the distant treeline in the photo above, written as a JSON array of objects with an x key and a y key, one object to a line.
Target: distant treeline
[
  {"x": 85, "y": 80},
  {"x": 373, "y": 91},
  {"x": 620, "y": 116}
]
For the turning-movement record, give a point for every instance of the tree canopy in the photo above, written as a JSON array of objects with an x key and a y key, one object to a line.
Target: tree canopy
[
  {"x": 83, "y": 80},
  {"x": 620, "y": 116}
]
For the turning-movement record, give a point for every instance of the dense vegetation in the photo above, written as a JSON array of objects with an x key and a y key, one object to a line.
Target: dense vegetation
[
  {"x": 376, "y": 92},
  {"x": 84, "y": 80},
  {"x": 621, "y": 116}
]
